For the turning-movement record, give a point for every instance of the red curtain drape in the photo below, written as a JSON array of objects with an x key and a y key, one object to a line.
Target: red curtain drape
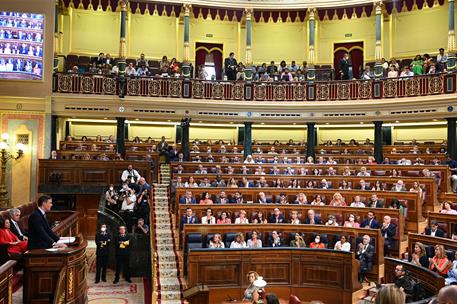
[
  {"x": 355, "y": 50},
  {"x": 211, "y": 48}
]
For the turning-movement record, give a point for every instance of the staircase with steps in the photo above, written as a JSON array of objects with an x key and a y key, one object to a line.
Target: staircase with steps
[{"x": 168, "y": 284}]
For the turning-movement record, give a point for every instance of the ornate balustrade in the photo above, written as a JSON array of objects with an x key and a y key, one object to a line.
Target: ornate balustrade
[{"x": 424, "y": 85}]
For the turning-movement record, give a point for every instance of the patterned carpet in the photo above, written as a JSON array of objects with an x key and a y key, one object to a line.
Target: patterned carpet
[{"x": 169, "y": 284}]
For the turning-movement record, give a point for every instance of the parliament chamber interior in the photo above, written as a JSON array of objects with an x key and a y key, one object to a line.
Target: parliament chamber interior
[{"x": 217, "y": 151}]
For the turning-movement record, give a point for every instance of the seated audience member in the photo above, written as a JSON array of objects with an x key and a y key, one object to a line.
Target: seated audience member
[
  {"x": 393, "y": 73},
  {"x": 324, "y": 184},
  {"x": 275, "y": 240},
  {"x": 395, "y": 204},
  {"x": 331, "y": 221},
  {"x": 388, "y": 231},
  {"x": 294, "y": 218},
  {"x": 312, "y": 219},
  {"x": 15, "y": 246},
  {"x": 370, "y": 221},
  {"x": 222, "y": 198},
  {"x": 237, "y": 198},
  {"x": 242, "y": 219},
  {"x": 254, "y": 241},
  {"x": 238, "y": 242},
  {"x": 276, "y": 217},
  {"x": 204, "y": 183},
  {"x": 216, "y": 242},
  {"x": 206, "y": 199},
  {"x": 434, "y": 230},
  {"x": 188, "y": 218},
  {"x": 317, "y": 244},
  {"x": 309, "y": 185},
  {"x": 406, "y": 283},
  {"x": 378, "y": 186},
  {"x": 365, "y": 254},
  {"x": 390, "y": 294},
  {"x": 357, "y": 202},
  {"x": 406, "y": 72},
  {"x": 452, "y": 274},
  {"x": 345, "y": 185},
  {"x": 282, "y": 199},
  {"x": 15, "y": 216},
  {"x": 245, "y": 183},
  {"x": 363, "y": 172},
  {"x": 351, "y": 222},
  {"x": 347, "y": 171},
  {"x": 187, "y": 198},
  {"x": 364, "y": 185},
  {"x": 446, "y": 208},
  {"x": 218, "y": 182},
  {"x": 419, "y": 255},
  {"x": 191, "y": 183},
  {"x": 375, "y": 202},
  {"x": 208, "y": 218},
  {"x": 338, "y": 200},
  {"x": 263, "y": 199},
  {"x": 298, "y": 241},
  {"x": 343, "y": 244},
  {"x": 318, "y": 200},
  {"x": 259, "y": 218},
  {"x": 224, "y": 218},
  {"x": 440, "y": 263},
  {"x": 301, "y": 199},
  {"x": 399, "y": 186},
  {"x": 141, "y": 227}
]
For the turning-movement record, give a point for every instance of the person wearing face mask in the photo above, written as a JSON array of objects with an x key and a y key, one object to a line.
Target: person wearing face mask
[
  {"x": 102, "y": 240},
  {"x": 317, "y": 243},
  {"x": 331, "y": 221},
  {"x": 112, "y": 196}
]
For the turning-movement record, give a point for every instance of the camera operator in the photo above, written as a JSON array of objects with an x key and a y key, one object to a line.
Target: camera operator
[
  {"x": 112, "y": 198},
  {"x": 142, "y": 206},
  {"x": 128, "y": 198},
  {"x": 131, "y": 177}
]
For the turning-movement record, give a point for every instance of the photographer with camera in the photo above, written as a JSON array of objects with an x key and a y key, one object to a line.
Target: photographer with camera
[
  {"x": 142, "y": 205},
  {"x": 131, "y": 177},
  {"x": 112, "y": 198},
  {"x": 128, "y": 197}
]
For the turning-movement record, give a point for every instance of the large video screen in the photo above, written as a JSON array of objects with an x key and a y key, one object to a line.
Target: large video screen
[{"x": 21, "y": 46}]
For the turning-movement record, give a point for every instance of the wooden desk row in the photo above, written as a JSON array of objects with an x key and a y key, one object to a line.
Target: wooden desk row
[
  {"x": 428, "y": 240},
  {"x": 311, "y": 274},
  {"x": 87, "y": 173},
  {"x": 341, "y": 214},
  {"x": 441, "y": 172},
  {"x": 448, "y": 220},
  {"x": 412, "y": 199},
  {"x": 428, "y": 184},
  {"x": 287, "y": 229}
]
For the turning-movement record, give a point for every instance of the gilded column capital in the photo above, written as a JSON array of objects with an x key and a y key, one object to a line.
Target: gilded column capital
[
  {"x": 378, "y": 6},
  {"x": 248, "y": 13},
  {"x": 187, "y": 7},
  {"x": 312, "y": 12},
  {"x": 123, "y": 4}
]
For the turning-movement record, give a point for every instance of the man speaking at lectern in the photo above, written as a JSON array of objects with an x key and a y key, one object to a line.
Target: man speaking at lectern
[{"x": 41, "y": 235}]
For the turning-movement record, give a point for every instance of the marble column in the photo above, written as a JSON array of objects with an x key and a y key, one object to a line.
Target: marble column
[
  {"x": 312, "y": 30},
  {"x": 53, "y": 132},
  {"x": 247, "y": 145},
  {"x": 56, "y": 36},
  {"x": 311, "y": 145},
  {"x": 378, "y": 70},
  {"x": 185, "y": 146},
  {"x": 378, "y": 137},
  {"x": 248, "y": 61},
  {"x": 122, "y": 43},
  {"x": 451, "y": 61},
  {"x": 451, "y": 137},
  {"x": 120, "y": 135},
  {"x": 186, "y": 68}
]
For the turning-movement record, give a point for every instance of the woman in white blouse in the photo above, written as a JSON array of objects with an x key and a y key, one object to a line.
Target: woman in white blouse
[
  {"x": 209, "y": 218},
  {"x": 238, "y": 242},
  {"x": 254, "y": 241},
  {"x": 343, "y": 244},
  {"x": 216, "y": 242},
  {"x": 242, "y": 219}
]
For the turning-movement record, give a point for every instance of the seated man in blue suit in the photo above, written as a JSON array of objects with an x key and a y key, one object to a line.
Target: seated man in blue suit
[
  {"x": 370, "y": 221},
  {"x": 188, "y": 218},
  {"x": 187, "y": 198}
]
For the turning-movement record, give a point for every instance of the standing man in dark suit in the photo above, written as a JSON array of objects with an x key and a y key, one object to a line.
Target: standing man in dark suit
[
  {"x": 41, "y": 235},
  {"x": 370, "y": 221},
  {"x": 102, "y": 240},
  {"x": 388, "y": 231},
  {"x": 364, "y": 254},
  {"x": 15, "y": 216},
  {"x": 122, "y": 242},
  {"x": 230, "y": 65},
  {"x": 344, "y": 67}
]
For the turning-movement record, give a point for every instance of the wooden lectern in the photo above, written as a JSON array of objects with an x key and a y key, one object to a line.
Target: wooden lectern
[{"x": 56, "y": 277}]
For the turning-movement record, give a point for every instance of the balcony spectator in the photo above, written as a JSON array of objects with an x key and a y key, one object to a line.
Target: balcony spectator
[
  {"x": 367, "y": 73},
  {"x": 230, "y": 67},
  {"x": 174, "y": 66},
  {"x": 417, "y": 65},
  {"x": 130, "y": 70},
  {"x": 406, "y": 72},
  {"x": 441, "y": 60},
  {"x": 100, "y": 60},
  {"x": 272, "y": 69},
  {"x": 393, "y": 72},
  {"x": 141, "y": 61},
  {"x": 344, "y": 65},
  {"x": 164, "y": 65},
  {"x": 94, "y": 69},
  {"x": 201, "y": 73},
  {"x": 286, "y": 75},
  {"x": 142, "y": 71}
]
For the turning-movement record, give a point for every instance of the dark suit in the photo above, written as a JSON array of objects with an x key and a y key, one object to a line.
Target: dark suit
[
  {"x": 317, "y": 221},
  {"x": 102, "y": 240},
  {"x": 191, "y": 220},
  {"x": 366, "y": 260},
  {"x": 279, "y": 220},
  {"x": 373, "y": 224},
  {"x": 41, "y": 235},
  {"x": 266, "y": 201},
  {"x": 344, "y": 69},
  {"x": 388, "y": 234},
  {"x": 183, "y": 200},
  {"x": 438, "y": 232},
  {"x": 122, "y": 257},
  {"x": 173, "y": 154},
  {"x": 223, "y": 200},
  {"x": 18, "y": 232},
  {"x": 230, "y": 65},
  {"x": 377, "y": 204}
]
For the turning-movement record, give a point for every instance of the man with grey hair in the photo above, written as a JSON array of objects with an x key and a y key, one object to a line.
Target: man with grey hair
[
  {"x": 448, "y": 295},
  {"x": 365, "y": 254},
  {"x": 15, "y": 216}
]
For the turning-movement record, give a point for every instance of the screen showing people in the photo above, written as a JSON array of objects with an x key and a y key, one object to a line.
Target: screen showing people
[{"x": 21, "y": 45}]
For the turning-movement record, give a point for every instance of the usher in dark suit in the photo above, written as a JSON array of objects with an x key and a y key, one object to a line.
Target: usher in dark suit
[{"x": 41, "y": 235}]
